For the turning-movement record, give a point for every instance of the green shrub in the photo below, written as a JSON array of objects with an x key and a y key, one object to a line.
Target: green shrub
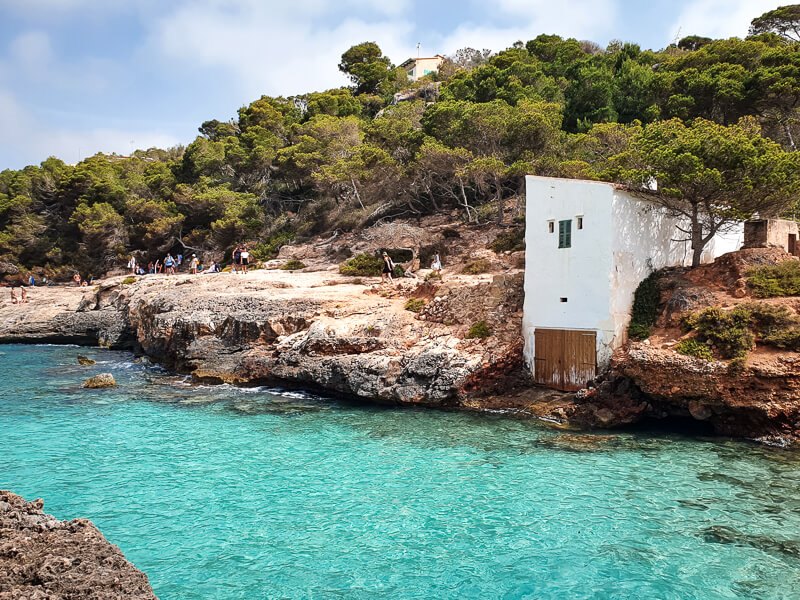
[
  {"x": 269, "y": 248},
  {"x": 509, "y": 241},
  {"x": 363, "y": 265},
  {"x": 728, "y": 331},
  {"x": 479, "y": 330},
  {"x": 129, "y": 280},
  {"x": 788, "y": 339},
  {"x": 293, "y": 265},
  {"x": 415, "y": 304},
  {"x": 476, "y": 267},
  {"x": 772, "y": 281},
  {"x": 692, "y": 347},
  {"x": 433, "y": 276},
  {"x": 766, "y": 319},
  {"x": 644, "y": 313}
]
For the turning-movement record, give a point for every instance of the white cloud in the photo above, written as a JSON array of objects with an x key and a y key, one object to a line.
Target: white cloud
[
  {"x": 582, "y": 19},
  {"x": 26, "y": 140},
  {"x": 286, "y": 50},
  {"x": 720, "y": 18}
]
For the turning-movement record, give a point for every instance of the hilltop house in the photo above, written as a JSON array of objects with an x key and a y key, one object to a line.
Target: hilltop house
[
  {"x": 588, "y": 246},
  {"x": 417, "y": 68}
]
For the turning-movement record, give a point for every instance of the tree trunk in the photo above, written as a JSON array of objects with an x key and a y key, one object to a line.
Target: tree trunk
[
  {"x": 355, "y": 189},
  {"x": 697, "y": 237},
  {"x": 788, "y": 131}
]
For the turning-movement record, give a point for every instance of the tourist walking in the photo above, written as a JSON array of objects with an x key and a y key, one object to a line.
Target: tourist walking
[
  {"x": 193, "y": 264},
  {"x": 245, "y": 259},
  {"x": 436, "y": 265},
  {"x": 388, "y": 268},
  {"x": 132, "y": 265},
  {"x": 169, "y": 265}
]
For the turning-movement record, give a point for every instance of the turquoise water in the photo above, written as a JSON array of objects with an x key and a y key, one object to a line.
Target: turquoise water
[{"x": 222, "y": 493}]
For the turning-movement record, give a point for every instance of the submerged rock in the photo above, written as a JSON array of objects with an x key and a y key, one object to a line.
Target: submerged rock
[
  {"x": 85, "y": 360},
  {"x": 42, "y": 557},
  {"x": 103, "y": 380}
]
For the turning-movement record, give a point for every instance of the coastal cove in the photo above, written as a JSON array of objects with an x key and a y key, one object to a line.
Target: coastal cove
[{"x": 226, "y": 492}]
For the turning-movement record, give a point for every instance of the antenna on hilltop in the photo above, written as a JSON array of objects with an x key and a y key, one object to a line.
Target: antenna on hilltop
[{"x": 677, "y": 37}]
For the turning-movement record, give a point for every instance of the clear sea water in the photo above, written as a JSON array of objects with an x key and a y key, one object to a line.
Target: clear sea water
[{"x": 218, "y": 492}]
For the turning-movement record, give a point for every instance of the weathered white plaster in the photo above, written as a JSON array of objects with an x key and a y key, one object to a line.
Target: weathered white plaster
[{"x": 623, "y": 239}]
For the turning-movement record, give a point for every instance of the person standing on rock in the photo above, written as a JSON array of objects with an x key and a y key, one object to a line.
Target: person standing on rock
[
  {"x": 436, "y": 265},
  {"x": 193, "y": 264},
  {"x": 245, "y": 258},
  {"x": 388, "y": 268},
  {"x": 169, "y": 265},
  {"x": 14, "y": 299},
  {"x": 132, "y": 265},
  {"x": 237, "y": 258},
  {"x": 24, "y": 293}
]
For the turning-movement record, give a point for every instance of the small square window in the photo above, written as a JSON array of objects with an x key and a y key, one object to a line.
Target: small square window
[
  {"x": 565, "y": 234},
  {"x": 579, "y": 222},
  {"x": 551, "y": 226}
]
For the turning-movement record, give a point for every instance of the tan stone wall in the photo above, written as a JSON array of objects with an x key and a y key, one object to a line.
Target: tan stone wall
[{"x": 771, "y": 233}]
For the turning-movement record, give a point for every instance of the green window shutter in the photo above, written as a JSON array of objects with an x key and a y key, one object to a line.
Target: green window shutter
[{"x": 565, "y": 234}]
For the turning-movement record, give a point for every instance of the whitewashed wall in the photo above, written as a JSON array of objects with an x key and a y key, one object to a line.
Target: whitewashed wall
[
  {"x": 580, "y": 273},
  {"x": 623, "y": 239}
]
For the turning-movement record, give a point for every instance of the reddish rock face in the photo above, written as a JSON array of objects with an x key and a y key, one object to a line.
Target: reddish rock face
[
  {"x": 42, "y": 557},
  {"x": 758, "y": 398}
]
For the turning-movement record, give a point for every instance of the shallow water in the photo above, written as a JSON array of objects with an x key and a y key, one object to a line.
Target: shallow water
[{"x": 218, "y": 492}]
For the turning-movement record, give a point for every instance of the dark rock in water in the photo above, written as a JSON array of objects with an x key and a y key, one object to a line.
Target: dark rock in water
[
  {"x": 103, "y": 380},
  {"x": 721, "y": 534},
  {"x": 42, "y": 557},
  {"x": 85, "y": 360}
]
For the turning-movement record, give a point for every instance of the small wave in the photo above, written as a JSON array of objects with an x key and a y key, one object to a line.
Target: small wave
[{"x": 57, "y": 346}]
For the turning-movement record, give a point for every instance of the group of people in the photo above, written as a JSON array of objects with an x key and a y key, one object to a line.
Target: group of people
[
  {"x": 170, "y": 265},
  {"x": 81, "y": 282},
  {"x": 241, "y": 259},
  {"x": 22, "y": 299},
  {"x": 389, "y": 267}
]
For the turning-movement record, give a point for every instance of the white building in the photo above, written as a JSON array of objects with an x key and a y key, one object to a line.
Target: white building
[
  {"x": 588, "y": 246},
  {"x": 417, "y": 68}
]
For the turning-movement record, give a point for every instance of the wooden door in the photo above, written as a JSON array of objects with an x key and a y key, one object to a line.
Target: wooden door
[{"x": 565, "y": 359}]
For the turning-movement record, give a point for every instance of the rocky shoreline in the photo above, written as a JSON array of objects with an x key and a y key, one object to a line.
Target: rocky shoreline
[
  {"x": 42, "y": 557},
  {"x": 354, "y": 337},
  {"x": 313, "y": 329}
]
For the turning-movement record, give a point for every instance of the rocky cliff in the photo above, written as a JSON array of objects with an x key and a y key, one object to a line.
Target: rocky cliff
[
  {"x": 42, "y": 557},
  {"x": 756, "y": 396},
  {"x": 313, "y": 329}
]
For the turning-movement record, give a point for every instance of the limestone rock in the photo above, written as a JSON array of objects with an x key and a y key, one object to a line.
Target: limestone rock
[
  {"x": 103, "y": 380},
  {"x": 42, "y": 557},
  {"x": 85, "y": 360}
]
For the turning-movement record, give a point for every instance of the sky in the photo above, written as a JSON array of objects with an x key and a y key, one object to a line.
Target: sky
[{"x": 83, "y": 76}]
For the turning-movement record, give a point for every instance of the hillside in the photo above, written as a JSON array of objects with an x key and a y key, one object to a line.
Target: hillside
[{"x": 459, "y": 139}]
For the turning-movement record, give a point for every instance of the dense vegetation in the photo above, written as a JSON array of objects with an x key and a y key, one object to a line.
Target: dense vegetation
[
  {"x": 733, "y": 333},
  {"x": 715, "y": 121}
]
